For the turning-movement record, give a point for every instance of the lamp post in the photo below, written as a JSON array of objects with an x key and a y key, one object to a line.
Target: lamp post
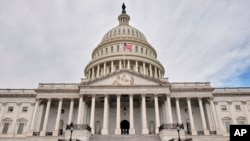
[
  {"x": 71, "y": 128},
  {"x": 178, "y": 130}
]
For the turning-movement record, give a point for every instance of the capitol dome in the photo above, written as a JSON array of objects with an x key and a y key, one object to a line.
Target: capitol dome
[{"x": 124, "y": 48}]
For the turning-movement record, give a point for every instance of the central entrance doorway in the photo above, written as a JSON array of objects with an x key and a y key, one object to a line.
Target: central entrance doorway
[{"x": 125, "y": 127}]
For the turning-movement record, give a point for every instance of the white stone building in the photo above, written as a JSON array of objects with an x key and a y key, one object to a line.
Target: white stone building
[{"x": 124, "y": 95}]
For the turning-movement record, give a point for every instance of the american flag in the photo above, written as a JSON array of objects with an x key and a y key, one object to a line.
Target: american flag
[{"x": 127, "y": 46}]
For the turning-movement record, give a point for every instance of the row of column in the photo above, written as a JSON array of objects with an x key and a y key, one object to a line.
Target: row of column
[
  {"x": 97, "y": 72},
  {"x": 81, "y": 108},
  {"x": 46, "y": 117}
]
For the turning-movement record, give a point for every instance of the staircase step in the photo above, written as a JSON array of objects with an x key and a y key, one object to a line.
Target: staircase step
[{"x": 125, "y": 138}]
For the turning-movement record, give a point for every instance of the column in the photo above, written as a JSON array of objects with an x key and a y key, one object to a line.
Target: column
[
  {"x": 128, "y": 67},
  {"x": 56, "y": 131},
  {"x": 231, "y": 108},
  {"x": 159, "y": 73},
  {"x": 150, "y": 70},
  {"x": 104, "y": 68},
  {"x": 244, "y": 103},
  {"x": 155, "y": 72},
  {"x": 131, "y": 115},
  {"x": 206, "y": 132},
  {"x": 34, "y": 118},
  {"x": 105, "y": 116},
  {"x": 218, "y": 131},
  {"x": 89, "y": 76},
  {"x": 118, "y": 115},
  {"x": 178, "y": 110},
  {"x": 98, "y": 71},
  {"x": 45, "y": 123},
  {"x": 170, "y": 116},
  {"x": 157, "y": 117},
  {"x": 193, "y": 130},
  {"x": 71, "y": 110},
  {"x": 112, "y": 66},
  {"x": 144, "y": 116},
  {"x": 92, "y": 115},
  {"x": 144, "y": 68},
  {"x": 93, "y": 73},
  {"x": 82, "y": 112},
  {"x": 120, "y": 64},
  {"x": 79, "y": 115},
  {"x": 136, "y": 66}
]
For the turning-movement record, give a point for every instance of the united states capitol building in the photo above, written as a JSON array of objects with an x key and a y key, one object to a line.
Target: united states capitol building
[{"x": 123, "y": 96}]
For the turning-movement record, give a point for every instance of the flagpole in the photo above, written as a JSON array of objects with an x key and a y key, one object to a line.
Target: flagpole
[{"x": 124, "y": 55}]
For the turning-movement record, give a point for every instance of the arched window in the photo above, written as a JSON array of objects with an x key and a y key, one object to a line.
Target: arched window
[
  {"x": 6, "y": 124},
  {"x": 21, "y": 124},
  {"x": 241, "y": 120},
  {"x": 226, "y": 121}
]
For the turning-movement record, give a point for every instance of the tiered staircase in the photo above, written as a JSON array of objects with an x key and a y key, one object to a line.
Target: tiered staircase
[{"x": 125, "y": 138}]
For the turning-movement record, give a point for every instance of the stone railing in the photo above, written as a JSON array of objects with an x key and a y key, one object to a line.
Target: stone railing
[
  {"x": 79, "y": 127},
  {"x": 171, "y": 126}
]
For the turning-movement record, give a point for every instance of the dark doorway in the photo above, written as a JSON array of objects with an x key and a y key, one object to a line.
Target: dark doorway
[{"x": 125, "y": 127}]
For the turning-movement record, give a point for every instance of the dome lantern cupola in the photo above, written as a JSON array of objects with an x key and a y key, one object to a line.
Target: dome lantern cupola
[{"x": 123, "y": 18}]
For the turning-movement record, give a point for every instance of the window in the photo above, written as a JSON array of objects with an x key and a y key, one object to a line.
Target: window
[
  {"x": 106, "y": 50},
  {"x": 117, "y": 48},
  {"x": 141, "y": 50},
  {"x": 5, "y": 128},
  {"x": 241, "y": 120},
  {"x": 227, "y": 126},
  {"x": 10, "y": 109},
  {"x": 20, "y": 128},
  {"x": 147, "y": 52},
  {"x": 237, "y": 108},
  {"x": 136, "y": 49},
  {"x": 223, "y": 108},
  {"x": 111, "y": 49},
  {"x": 25, "y": 109}
]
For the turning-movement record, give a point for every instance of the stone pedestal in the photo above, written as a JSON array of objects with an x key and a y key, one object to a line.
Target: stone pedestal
[
  {"x": 193, "y": 132},
  {"x": 42, "y": 133},
  {"x": 145, "y": 131},
  {"x": 206, "y": 132},
  {"x": 82, "y": 135},
  {"x": 131, "y": 131},
  {"x": 167, "y": 134},
  {"x": 104, "y": 131},
  {"x": 118, "y": 131}
]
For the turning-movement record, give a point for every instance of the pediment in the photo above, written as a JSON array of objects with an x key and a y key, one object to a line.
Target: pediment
[{"x": 125, "y": 78}]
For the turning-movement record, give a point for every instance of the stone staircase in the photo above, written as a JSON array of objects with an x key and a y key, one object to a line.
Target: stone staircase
[{"x": 125, "y": 138}]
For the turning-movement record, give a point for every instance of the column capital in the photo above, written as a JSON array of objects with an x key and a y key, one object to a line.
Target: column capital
[
  {"x": 4, "y": 103},
  {"x": 118, "y": 95},
  {"x": 244, "y": 102},
  {"x": 229, "y": 102},
  {"x": 156, "y": 94}
]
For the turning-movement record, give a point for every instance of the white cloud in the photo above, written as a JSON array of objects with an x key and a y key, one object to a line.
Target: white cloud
[{"x": 52, "y": 41}]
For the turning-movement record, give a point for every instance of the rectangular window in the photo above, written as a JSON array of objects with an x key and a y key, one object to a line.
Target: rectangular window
[
  {"x": 227, "y": 125},
  {"x": 142, "y": 50},
  {"x": 237, "y": 108},
  {"x": 25, "y": 109},
  {"x": 106, "y": 50},
  {"x": 10, "y": 109},
  {"x": 136, "y": 49},
  {"x": 223, "y": 108},
  {"x": 111, "y": 49},
  {"x": 5, "y": 128},
  {"x": 118, "y": 48},
  {"x": 20, "y": 128}
]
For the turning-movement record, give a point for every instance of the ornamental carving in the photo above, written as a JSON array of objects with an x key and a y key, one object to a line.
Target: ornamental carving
[{"x": 123, "y": 79}]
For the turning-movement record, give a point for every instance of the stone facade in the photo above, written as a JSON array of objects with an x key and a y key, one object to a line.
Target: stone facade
[{"x": 124, "y": 93}]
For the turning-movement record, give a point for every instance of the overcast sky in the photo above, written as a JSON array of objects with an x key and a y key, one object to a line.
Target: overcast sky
[{"x": 51, "y": 41}]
